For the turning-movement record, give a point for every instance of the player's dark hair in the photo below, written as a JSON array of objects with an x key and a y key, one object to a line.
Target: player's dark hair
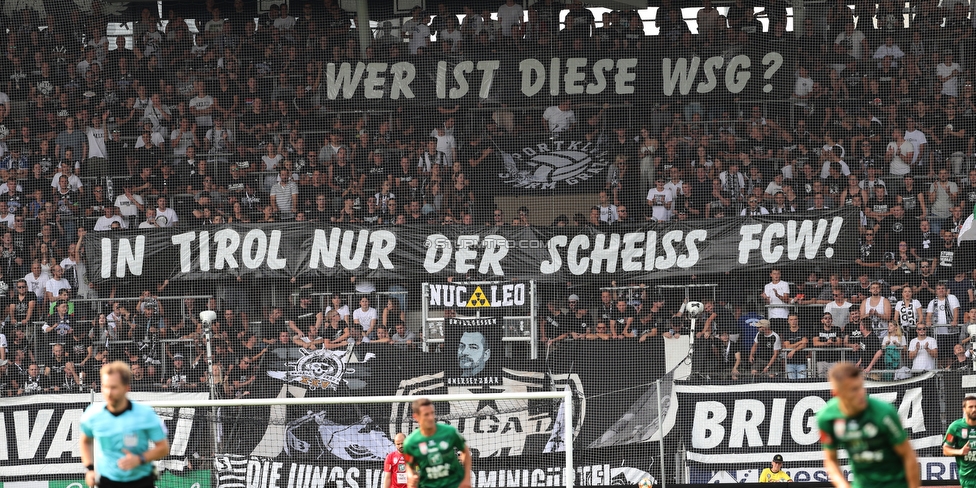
[
  {"x": 420, "y": 403},
  {"x": 969, "y": 398}
]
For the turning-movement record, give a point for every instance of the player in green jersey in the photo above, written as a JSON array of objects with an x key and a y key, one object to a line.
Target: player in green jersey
[
  {"x": 432, "y": 450},
  {"x": 869, "y": 429},
  {"x": 958, "y": 442}
]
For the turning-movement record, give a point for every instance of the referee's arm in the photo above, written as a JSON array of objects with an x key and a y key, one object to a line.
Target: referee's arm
[
  {"x": 88, "y": 458},
  {"x": 159, "y": 450}
]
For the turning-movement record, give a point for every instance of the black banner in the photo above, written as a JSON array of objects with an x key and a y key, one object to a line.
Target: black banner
[
  {"x": 748, "y": 423},
  {"x": 513, "y": 441},
  {"x": 420, "y": 253},
  {"x": 734, "y": 70},
  {"x": 41, "y": 434}
]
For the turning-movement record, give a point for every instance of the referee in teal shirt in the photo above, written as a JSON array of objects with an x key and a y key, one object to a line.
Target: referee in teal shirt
[{"x": 115, "y": 435}]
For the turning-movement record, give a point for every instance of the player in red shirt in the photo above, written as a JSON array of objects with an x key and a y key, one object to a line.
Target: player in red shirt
[{"x": 395, "y": 467}]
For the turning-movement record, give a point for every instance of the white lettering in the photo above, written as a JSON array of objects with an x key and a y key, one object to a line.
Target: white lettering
[
  {"x": 28, "y": 440},
  {"x": 403, "y": 74},
  {"x": 252, "y": 256},
  {"x": 748, "y": 243},
  {"x": 130, "y": 258},
  {"x": 682, "y": 76},
  {"x": 488, "y": 67},
  {"x": 577, "y": 265},
  {"x": 460, "y": 70},
  {"x": 373, "y": 80},
  {"x": 708, "y": 432},
  {"x": 573, "y": 77},
  {"x": 345, "y": 79},
  {"x": 747, "y": 415},
  {"x": 533, "y": 76},
  {"x": 555, "y": 261},
  {"x": 625, "y": 76},
  {"x": 228, "y": 241},
  {"x": 735, "y": 80}
]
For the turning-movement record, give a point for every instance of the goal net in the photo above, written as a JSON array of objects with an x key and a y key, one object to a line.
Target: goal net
[{"x": 343, "y": 441}]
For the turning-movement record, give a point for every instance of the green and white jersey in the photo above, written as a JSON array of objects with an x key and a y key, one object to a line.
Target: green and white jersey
[
  {"x": 869, "y": 439},
  {"x": 958, "y": 435},
  {"x": 435, "y": 458}
]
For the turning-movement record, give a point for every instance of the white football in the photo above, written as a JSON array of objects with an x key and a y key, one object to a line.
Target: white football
[{"x": 695, "y": 308}]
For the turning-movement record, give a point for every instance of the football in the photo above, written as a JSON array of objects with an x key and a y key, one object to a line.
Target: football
[
  {"x": 694, "y": 308},
  {"x": 644, "y": 483}
]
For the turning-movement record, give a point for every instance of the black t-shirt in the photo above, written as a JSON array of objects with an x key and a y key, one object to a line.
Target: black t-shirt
[
  {"x": 766, "y": 347},
  {"x": 303, "y": 317},
  {"x": 67, "y": 202},
  {"x": 34, "y": 385},
  {"x": 45, "y": 85},
  {"x": 580, "y": 323},
  {"x": 169, "y": 185},
  {"x": 225, "y": 99},
  {"x": 556, "y": 325},
  {"x": 909, "y": 199},
  {"x": 794, "y": 338},
  {"x": 375, "y": 176},
  {"x": 825, "y": 335},
  {"x": 953, "y": 143},
  {"x": 620, "y": 318},
  {"x": 183, "y": 377},
  {"x": 943, "y": 271},
  {"x": 926, "y": 245},
  {"x": 969, "y": 194},
  {"x": 871, "y": 345},
  {"x": 871, "y": 253},
  {"x": 895, "y": 230},
  {"x": 270, "y": 330},
  {"x": 900, "y": 276},
  {"x": 880, "y": 205},
  {"x": 655, "y": 320}
]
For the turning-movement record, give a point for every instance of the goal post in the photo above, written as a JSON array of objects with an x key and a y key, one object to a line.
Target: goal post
[{"x": 560, "y": 433}]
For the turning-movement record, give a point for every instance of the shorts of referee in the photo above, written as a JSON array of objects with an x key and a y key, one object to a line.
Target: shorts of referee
[{"x": 144, "y": 482}]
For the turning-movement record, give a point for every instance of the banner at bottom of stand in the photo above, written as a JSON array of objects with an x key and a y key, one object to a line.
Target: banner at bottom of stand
[
  {"x": 236, "y": 471},
  {"x": 932, "y": 469}
]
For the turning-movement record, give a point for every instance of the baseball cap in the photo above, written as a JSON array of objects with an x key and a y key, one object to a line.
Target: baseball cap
[
  {"x": 574, "y": 298},
  {"x": 764, "y": 323},
  {"x": 778, "y": 458},
  {"x": 177, "y": 356}
]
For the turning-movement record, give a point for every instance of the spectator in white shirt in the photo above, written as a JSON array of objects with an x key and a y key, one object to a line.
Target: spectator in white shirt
[
  {"x": 165, "y": 217},
  {"x": 74, "y": 182},
  {"x": 365, "y": 317},
  {"x": 948, "y": 72},
  {"x": 889, "y": 48},
  {"x": 6, "y": 216},
  {"x": 560, "y": 118},
  {"x": 104, "y": 222},
  {"x": 129, "y": 204},
  {"x": 510, "y": 17},
  {"x": 54, "y": 285},
  {"x": 36, "y": 280},
  {"x": 923, "y": 351}
]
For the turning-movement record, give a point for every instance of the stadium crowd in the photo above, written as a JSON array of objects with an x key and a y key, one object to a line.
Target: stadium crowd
[{"x": 224, "y": 119}]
